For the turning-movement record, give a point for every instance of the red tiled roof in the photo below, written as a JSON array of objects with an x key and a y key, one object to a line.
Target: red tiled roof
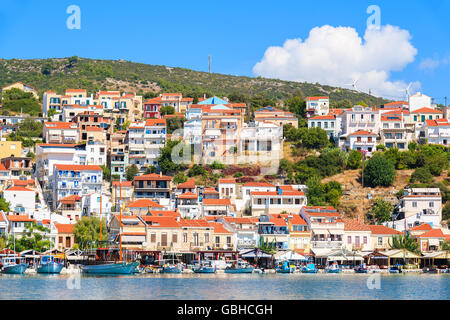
[
  {"x": 161, "y": 222},
  {"x": 187, "y": 195},
  {"x": 153, "y": 177},
  {"x": 363, "y": 133},
  {"x": 355, "y": 225},
  {"x": 210, "y": 190},
  {"x": 435, "y": 123},
  {"x": 64, "y": 228},
  {"x": 325, "y": 117},
  {"x": 70, "y": 199},
  {"x": 155, "y": 122},
  {"x": 258, "y": 184},
  {"x": 242, "y": 220},
  {"x": 275, "y": 193},
  {"x": 426, "y": 110},
  {"x": 379, "y": 229},
  {"x": 194, "y": 223},
  {"x": 56, "y": 145},
  {"x": 19, "y": 218},
  {"x": 124, "y": 183},
  {"x": 278, "y": 221},
  {"x": 22, "y": 183},
  {"x": 232, "y": 180},
  {"x": 75, "y": 167},
  {"x": 144, "y": 203},
  {"x": 433, "y": 233},
  {"x": 315, "y": 98},
  {"x": 164, "y": 213},
  {"x": 219, "y": 228},
  {"x": 2, "y": 167},
  {"x": 216, "y": 202},
  {"x": 294, "y": 218},
  {"x": 75, "y": 90},
  {"x": 61, "y": 125},
  {"x": 422, "y": 227},
  {"x": 190, "y": 184},
  {"x": 18, "y": 189}
]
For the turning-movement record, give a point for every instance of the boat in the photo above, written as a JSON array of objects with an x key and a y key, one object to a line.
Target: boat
[
  {"x": 333, "y": 268},
  {"x": 395, "y": 269},
  {"x": 111, "y": 268},
  {"x": 285, "y": 267},
  {"x": 361, "y": 269},
  {"x": 240, "y": 267},
  {"x": 49, "y": 264},
  {"x": 107, "y": 261},
  {"x": 430, "y": 270},
  {"x": 173, "y": 267},
  {"x": 10, "y": 265},
  {"x": 309, "y": 268},
  {"x": 204, "y": 267},
  {"x": 374, "y": 269}
]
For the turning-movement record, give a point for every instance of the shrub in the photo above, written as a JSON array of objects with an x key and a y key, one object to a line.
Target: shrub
[
  {"x": 422, "y": 175},
  {"x": 354, "y": 159},
  {"x": 379, "y": 171}
]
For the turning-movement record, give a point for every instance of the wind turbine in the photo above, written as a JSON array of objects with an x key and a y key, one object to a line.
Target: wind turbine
[
  {"x": 353, "y": 84},
  {"x": 408, "y": 94}
]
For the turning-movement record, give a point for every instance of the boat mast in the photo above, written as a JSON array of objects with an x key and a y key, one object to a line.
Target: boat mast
[
  {"x": 120, "y": 218},
  {"x": 100, "y": 219}
]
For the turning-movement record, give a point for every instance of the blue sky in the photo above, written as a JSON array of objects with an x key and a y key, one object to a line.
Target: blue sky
[{"x": 236, "y": 33}]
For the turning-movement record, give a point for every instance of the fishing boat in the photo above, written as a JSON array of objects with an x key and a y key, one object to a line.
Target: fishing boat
[
  {"x": 309, "y": 268},
  {"x": 430, "y": 270},
  {"x": 49, "y": 264},
  {"x": 361, "y": 269},
  {"x": 204, "y": 267},
  {"x": 395, "y": 269},
  {"x": 106, "y": 261},
  {"x": 285, "y": 267},
  {"x": 333, "y": 268},
  {"x": 240, "y": 267},
  {"x": 173, "y": 267},
  {"x": 13, "y": 265}
]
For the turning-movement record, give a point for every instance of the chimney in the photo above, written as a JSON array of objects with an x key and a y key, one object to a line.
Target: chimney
[
  {"x": 160, "y": 173},
  {"x": 178, "y": 218}
]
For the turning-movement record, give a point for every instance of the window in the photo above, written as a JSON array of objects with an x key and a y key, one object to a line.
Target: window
[
  {"x": 217, "y": 241},
  {"x": 414, "y": 204},
  {"x": 174, "y": 237},
  {"x": 349, "y": 239},
  {"x": 385, "y": 125},
  {"x": 380, "y": 241},
  {"x": 153, "y": 237},
  {"x": 185, "y": 237},
  {"x": 228, "y": 241},
  {"x": 431, "y": 204},
  {"x": 365, "y": 239},
  {"x": 206, "y": 237}
]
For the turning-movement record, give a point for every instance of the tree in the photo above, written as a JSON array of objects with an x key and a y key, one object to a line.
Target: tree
[
  {"x": 217, "y": 165},
  {"x": 422, "y": 175},
  {"x": 404, "y": 242},
  {"x": 4, "y": 205},
  {"x": 446, "y": 212},
  {"x": 379, "y": 171},
  {"x": 165, "y": 159},
  {"x": 315, "y": 138},
  {"x": 180, "y": 177},
  {"x": 87, "y": 230},
  {"x": 167, "y": 110},
  {"x": 297, "y": 105},
  {"x": 131, "y": 172},
  {"x": 106, "y": 172},
  {"x": 30, "y": 128},
  {"x": 354, "y": 159},
  {"x": 380, "y": 211},
  {"x": 437, "y": 164},
  {"x": 196, "y": 170},
  {"x": 150, "y": 169}
]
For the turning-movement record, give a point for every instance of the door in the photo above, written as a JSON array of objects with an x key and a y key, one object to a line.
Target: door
[{"x": 164, "y": 239}]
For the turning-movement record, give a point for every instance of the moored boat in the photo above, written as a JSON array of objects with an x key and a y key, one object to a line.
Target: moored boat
[
  {"x": 111, "y": 268},
  {"x": 333, "y": 268},
  {"x": 240, "y": 267},
  {"x": 174, "y": 268},
  {"x": 10, "y": 265},
  {"x": 361, "y": 269},
  {"x": 285, "y": 267},
  {"x": 309, "y": 268},
  {"x": 395, "y": 269},
  {"x": 204, "y": 268},
  {"x": 49, "y": 264}
]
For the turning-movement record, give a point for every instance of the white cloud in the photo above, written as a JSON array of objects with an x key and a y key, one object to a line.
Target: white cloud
[
  {"x": 430, "y": 64},
  {"x": 338, "y": 55}
]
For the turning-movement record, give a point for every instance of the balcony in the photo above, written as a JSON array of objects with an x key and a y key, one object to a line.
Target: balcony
[{"x": 327, "y": 244}]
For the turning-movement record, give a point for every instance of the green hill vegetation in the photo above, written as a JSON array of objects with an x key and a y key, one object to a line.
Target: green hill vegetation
[{"x": 59, "y": 74}]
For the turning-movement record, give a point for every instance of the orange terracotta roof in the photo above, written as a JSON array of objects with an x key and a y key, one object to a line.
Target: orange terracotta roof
[
  {"x": 379, "y": 229},
  {"x": 241, "y": 220},
  {"x": 61, "y": 125},
  {"x": 58, "y": 145},
  {"x": 435, "y": 123},
  {"x": 426, "y": 110},
  {"x": 293, "y": 218},
  {"x": 219, "y": 228},
  {"x": 75, "y": 90},
  {"x": 315, "y": 98},
  {"x": 355, "y": 225},
  {"x": 187, "y": 195},
  {"x": 258, "y": 184},
  {"x": 164, "y": 213},
  {"x": 210, "y": 191},
  {"x": 155, "y": 122},
  {"x": 144, "y": 203},
  {"x": 2, "y": 167},
  {"x": 19, "y": 218},
  {"x": 70, "y": 199},
  {"x": 433, "y": 233},
  {"x": 153, "y": 177},
  {"x": 190, "y": 184},
  {"x": 194, "y": 223},
  {"x": 325, "y": 117},
  {"x": 422, "y": 227},
  {"x": 278, "y": 221},
  {"x": 216, "y": 202},
  {"x": 18, "y": 189},
  {"x": 124, "y": 183},
  {"x": 363, "y": 133},
  {"x": 64, "y": 228},
  {"x": 161, "y": 222},
  {"x": 75, "y": 167},
  {"x": 227, "y": 180}
]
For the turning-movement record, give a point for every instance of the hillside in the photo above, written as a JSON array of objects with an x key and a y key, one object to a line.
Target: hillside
[{"x": 59, "y": 74}]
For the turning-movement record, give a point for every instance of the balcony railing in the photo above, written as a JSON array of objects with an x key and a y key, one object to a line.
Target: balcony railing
[{"x": 327, "y": 244}]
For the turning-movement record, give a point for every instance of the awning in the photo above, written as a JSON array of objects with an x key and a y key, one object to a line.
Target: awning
[
  {"x": 320, "y": 231},
  {"x": 133, "y": 238},
  {"x": 289, "y": 255},
  {"x": 321, "y": 253}
]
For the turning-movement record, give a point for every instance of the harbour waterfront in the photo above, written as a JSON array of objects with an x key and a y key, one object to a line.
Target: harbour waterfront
[{"x": 232, "y": 287}]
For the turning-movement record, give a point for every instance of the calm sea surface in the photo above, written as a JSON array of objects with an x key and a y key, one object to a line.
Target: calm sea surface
[{"x": 226, "y": 286}]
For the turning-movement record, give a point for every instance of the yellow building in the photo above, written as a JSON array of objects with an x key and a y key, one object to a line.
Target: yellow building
[{"x": 10, "y": 148}]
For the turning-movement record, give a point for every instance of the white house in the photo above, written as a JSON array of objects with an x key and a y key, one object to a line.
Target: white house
[
  {"x": 227, "y": 188},
  {"x": 418, "y": 101},
  {"x": 330, "y": 123},
  {"x": 318, "y": 105},
  {"x": 437, "y": 131},
  {"x": 364, "y": 141},
  {"x": 22, "y": 200},
  {"x": 250, "y": 187}
]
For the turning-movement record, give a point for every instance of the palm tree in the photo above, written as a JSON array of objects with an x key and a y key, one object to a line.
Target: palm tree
[{"x": 404, "y": 242}]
